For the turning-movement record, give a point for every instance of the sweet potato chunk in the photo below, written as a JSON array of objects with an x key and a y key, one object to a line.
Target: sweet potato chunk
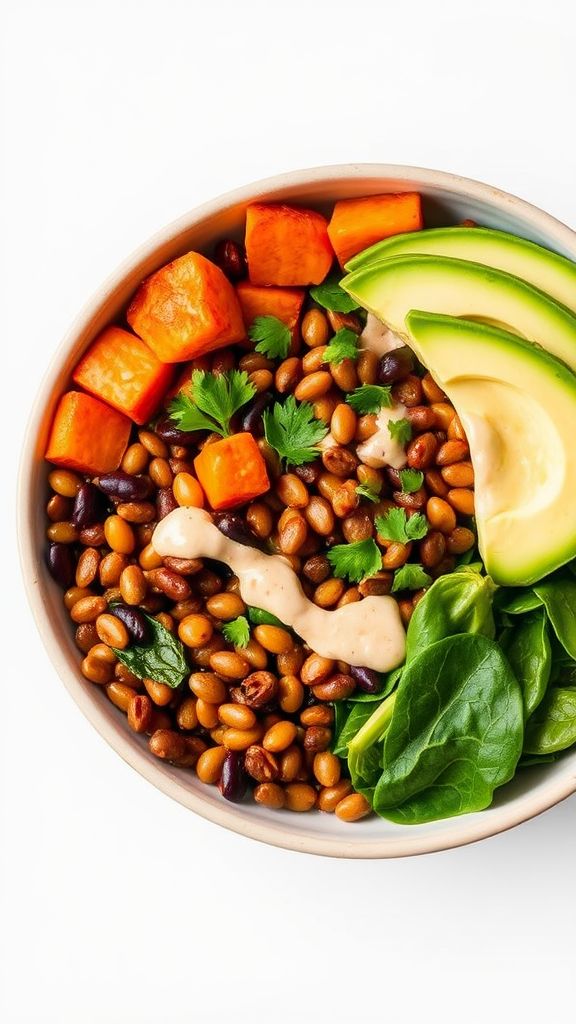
[
  {"x": 123, "y": 371},
  {"x": 286, "y": 245},
  {"x": 87, "y": 435},
  {"x": 358, "y": 223},
  {"x": 231, "y": 471},
  {"x": 283, "y": 303},
  {"x": 185, "y": 309}
]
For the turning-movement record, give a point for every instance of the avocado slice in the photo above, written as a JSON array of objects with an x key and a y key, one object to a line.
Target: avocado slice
[
  {"x": 546, "y": 270},
  {"x": 517, "y": 404},
  {"x": 441, "y": 284}
]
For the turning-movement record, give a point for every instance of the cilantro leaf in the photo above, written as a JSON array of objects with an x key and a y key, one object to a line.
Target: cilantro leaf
[
  {"x": 370, "y": 398},
  {"x": 410, "y": 577},
  {"x": 363, "y": 491},
  {"x": 293, "y": 432},
  {"x": 237, "y": 631},
  {"x": 356, "y": 561},
  {"x": 344, "y": 345},
  {"x": 400, "y": 430},
  {"x": 211, "y": 401},
  {"x": 330, "y": 295},
  {"x": 411, "y": 480},
  {"x": 272, "y": 335},
  {"x": 259, "y": 617},
  {"x": 395, "y": 524}
]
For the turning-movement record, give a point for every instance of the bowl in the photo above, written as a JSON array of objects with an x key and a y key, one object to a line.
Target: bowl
[{"x": 447, "y": 199}]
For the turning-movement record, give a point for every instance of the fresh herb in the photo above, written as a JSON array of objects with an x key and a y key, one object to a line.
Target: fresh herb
[
  {"x": 330, "y": 295},
  {"x": 400, "y": 430},
  {"x": 162, "y": 659},
  {"x": 527, "y": 647},
  {"x": 272, "y": 335},
  {"x": 370, "y": 398},
  {"x": 411, "y": 480},
  {"x": 259, "y": 617},
  {"x": 396, "y": 525},
  {"x": 293, "y": 432},
  {"x": 237, "y": 631},
  {"x": 410, "y": 577},
  {"x": 553, "y": 725},
  {"x": 211, "y": 401},
  {"x": 363, "y": 491},
  {"x": 355, "y": 561},
  {"x": 344, "y": 345}
]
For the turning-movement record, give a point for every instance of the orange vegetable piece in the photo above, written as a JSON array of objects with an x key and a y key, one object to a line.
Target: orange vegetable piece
[
  {"x": 256, "y": 300},
  {"x": 358, "y": 223},
  {"x": 87, "y": 435},
  {"x": 119, "y": 368},
  {"x": 185, "y": 309},
  {"x": 231, "y": 471},
  {"x": 286, "y": 245}
]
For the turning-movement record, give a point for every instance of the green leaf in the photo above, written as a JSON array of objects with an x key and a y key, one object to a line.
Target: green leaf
[
  {"x": 363, "y": 491},
  {"x": 552, "y": 727},
  {"x": 211, "y": 401},
  {"x": 272, "y": 335},
  {"x": 344, "y": 345},
  {"x": 355, "y": 716},
  {"x": 517, "y": 601},
  {"x": 162, "y": 659},
  {"x": 455, "y": 734},
  {"x": 370, "y": 398},
  {"x": 293, "y": 432},
  {"x": 410, "y": 577},
  {"x": 259, "y": 617},
  {"x": 237, "y": 631},
  {"x": 355, "y": 561},
  {"x": 366, "y": 748},
  {"x": 527, "y": 647},
  {"x": 396, "y": 525},
  {"x": 460, "y": 602},
  {"x": 411, "y": 480},
  {"x": 559, "y": 599},
  {"x": 400, "y": 430},
  {"x": 330, "y": 295}
]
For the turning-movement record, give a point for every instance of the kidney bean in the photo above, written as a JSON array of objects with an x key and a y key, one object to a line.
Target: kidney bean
[
  {"x": 88, "y": 506},
  {"x": 367, "y": 679},
  {"x": 125, "y": 487},
  {"x": 309, "y": 472},
  {"x": 233, "y": 526},
  {"x": 168, "y": 431},
  {"x": 165, "y": 502},
  {"x": 395, "y": 365},
  {"x": 134, "y": 621},
  {"x": 252, "y": 418},
  {"x": 231, "y": 258},
  {"x": 61, "y": 564},
  {"x": 233, "y": 779}
]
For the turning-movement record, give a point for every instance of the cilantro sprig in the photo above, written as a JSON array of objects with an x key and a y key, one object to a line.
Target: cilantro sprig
[
  {"x": 355, "y": 561},
  {"x": 411, "y": 480},
  {"x": 400, "y": 430},
  {"x": 344, "y": 345},
  {"x": 273, "y": 337},
  {"x": 363, "y": 491},
  {"x": 396, "y": 525},
  {"x": 237, "y": 631},
  {"x": 369, "y": 398},
  {"x": 291, "y": 429},
  {"x": 330, "y": 295},
  {"x": 410, "y": 577},
  {"x": 211, "y": 401}
]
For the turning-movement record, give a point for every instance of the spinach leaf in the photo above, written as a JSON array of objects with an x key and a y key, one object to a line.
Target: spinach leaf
[
  {"x": 354, "y": 717},
  {"x": 516, "y": 602},
  {"x": 553, "y": 725},
  {"x": 455, "y": 735},
  {"x": 162, "y": 659},
  {"x": 559, "y": 599},
  {"x": 535, "y": 760},
  {"x": 527, "y": 647},
  {"x": 460, "y": 602},
  {"x": 365, "y": 749}
]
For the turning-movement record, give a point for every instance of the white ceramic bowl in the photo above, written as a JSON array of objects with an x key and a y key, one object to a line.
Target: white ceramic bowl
[{"x": 447, "y": 199}]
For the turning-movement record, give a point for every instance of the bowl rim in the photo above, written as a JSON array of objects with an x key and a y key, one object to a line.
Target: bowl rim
[{"x": 464, "y": 829}]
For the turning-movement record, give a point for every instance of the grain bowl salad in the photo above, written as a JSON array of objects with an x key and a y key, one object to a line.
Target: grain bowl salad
[{"x": 312, "y": 511}]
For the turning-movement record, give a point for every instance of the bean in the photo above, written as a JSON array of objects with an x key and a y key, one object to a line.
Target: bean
[
  {"x": 290, "y": 694},
  {"x": 273, "y": 639},
  {"x": 300, "y": 796},
  {"x": 315, "y": 329},
  {"x": 317, "y": 714},
  {"x": 93, "y": 536},
  {"x": 167, "y": 744},
  {"x": 290, "y": 762},
  {"x": 254, "y": 654},
  {"x": 140, "y": 712},
  {"x": 337, "y": 687},
  {"x": 64, "y": 482},
  {"x": 233, "y": 526},
  {"x": 229, "y": 664},
  {"x": 187, "y": 491},
  {"x": 209, "y": 765},
  {"x": 328, "y": 593},
  {"x": 351, "y": 596},
  {"x": 324, "y": 407},
  {"x": 252, "y": 420},
  {"x": 292, "y": 534},
  {"x": 135, "y": 459},
  {"x": 124, "y": 675},
  {"x": 458, "y": 474},
  {"x": 406, "y": 609},
  {"x": 120, "y": 694},
  {"x": 344, "y": 374},
  {"x": 166, "y": 620},
  {"x": 328, "y": 484},
  {"x": 287, "y": 375},
  {"x": 137, "y": 511},
  {"x": 432, "y": 392},
  {"x": 86, "y": 637},
  {"x": 119, "y": 535},
  {"x": 353, "y": 807},
  {"x": 112, "y": 631},
  {"x": 195, "y": 630},
  {"x": 313, "y": 386},
  {"x": 432, "y": 549},
  {"x": 124, "y": 486},
  {"x": 149, "y": 558},
  {"x": 170, "y": 583},
  {"x": 132, "y": 585},
  {"x": 261, "y": 764},
  {"x": 290, "y": 662},
  {"x": 396, "y": 555},
  {"x": 279, "y": 737},
  {"x": 367, "y": 366},
  {"x": 444, "y": 413},
  {"x": 456, "y": 431},
  {"x": 440, "y": 515},
  {"x": 315, "y": 669},
  {"x": 343, "y": 423},
  {"x": 317, "y": 738},
  {"x": 314, "y": 360},
  {"x": 327, "y": 768},
  {"x": 165, "y": 502},
  {"x": 395, "y": 365},
  {"x": 230, "y": 256},
  {"x": 225, "y": 606},
  {"x": 256, "y": 690},
  {"x": 460, "y": 540},
  {"x": 186, "y": 716},
  {"x": 421, "y": 418},
  {"x": 414, "y": 500},
  {"x": 241, "y": 739},
  {"x": 421, "y": 451},
  {"x": 169, "y": 432},
  {"x": 339, "y": 461},
  {"x": 207, "y": 714},
  {"x": 102, "y": 652},
  {"x": 435, "y": 482},
  {"x": 160, "y": 693},
  {"x": 87, "y": 609},
  {"x": 202, "y": 655},
  {"x": 111, "y": 567},
  {"x": 237, "y": 716},
  {"x": 450, "y": 452},
  {"x": 135, "y": 622},
  {"x": 316, "y": 569},
  {"x": 376, "y": 586},
  {"x": 408, "y": 392},
  {"x": 367, "y": 680},
  {"x": 153, "y": 444},
  {"x": 269, "y": 794},
  {"x": 331, "y": 796},
  {"x": 462, "y": 500},
  {"x": 271, "y": 458},
  {"x": 62, "y": 533},
  {"x": 96, "y": 671},
  {"x": 208, "y": 687},
  {"x": 292, "y": 491},
  {"x": 59, "y": 508},
  {"x": 319, "y": 515},
  {"x": 366, "y": 427},
  {"x": 75, "y": 594},
  {"x": 259, "y": 519},
  {"x": 357, "y": 526},
  {"x": 60, "y": 562}
]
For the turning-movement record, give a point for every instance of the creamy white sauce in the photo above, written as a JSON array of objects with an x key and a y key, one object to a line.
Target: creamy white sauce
[
  {"x": 368, "y": 632},
  {"x": 378, "y": 338},
  {"x": 381, "y": 449}
]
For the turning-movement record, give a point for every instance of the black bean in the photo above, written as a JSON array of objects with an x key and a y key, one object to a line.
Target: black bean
[
  {"x": 233, "y": 526},
  {"x": 124, "y": 486},
  {"x": 165, "y": 502},
  {"x": 252, "y": 418},
  {"x": 395, "y": 364},
  {"x": 233, "y": 779},
  {"x": 169, "y": 432},
  {"x": 366, "y": 679},
  {"x": 134, "y": 620},
  {"x": 89, "y": 506},
  {"x": 61, "y": 565}
]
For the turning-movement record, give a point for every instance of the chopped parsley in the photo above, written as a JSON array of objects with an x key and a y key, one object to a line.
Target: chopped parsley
[
  {"x": 411, "y": 480},
  {"x": 293, "y": 432},
  {"x": 400, "y": 430},
  {"x": 395, "y": 524},
  {"x": 330, "y": 295},
  {"x": 410, "y": 577},
  {"x": 237, "y": 631},
  {"x": 211, "y": 401},
  {"x": 272, "y": 335},
  {"x": 344, "y": 345},
  {"x": 370, "y": 398},
  {"x": 355, "y": 561}
]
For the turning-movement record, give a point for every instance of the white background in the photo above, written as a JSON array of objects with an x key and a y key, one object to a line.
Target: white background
[{"x": 120, "y": 906}]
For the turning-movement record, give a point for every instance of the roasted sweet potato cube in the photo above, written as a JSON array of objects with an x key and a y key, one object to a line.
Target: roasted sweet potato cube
[
  {"x": 87, "y": 435},
  {"x": 286, "y": 245},
  {"x": 232, "y": 471},
  {"x": 257, "y": 300}
]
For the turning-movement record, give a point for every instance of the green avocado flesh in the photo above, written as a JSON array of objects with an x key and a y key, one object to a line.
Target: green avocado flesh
[
  {"x": 540, "y": 267},
  {"x": 440, "y": 284},
  {"x": 517, "y": 404}
]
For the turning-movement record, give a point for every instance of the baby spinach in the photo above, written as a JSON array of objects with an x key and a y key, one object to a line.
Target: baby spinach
[
  {"x": 460, "y": 602},
  {"x": 365, "y": 749},
  {"x": 517, "y": 602},
  {"x": 558, "y": 595},
  {"x": 455, "y": 734},
  {"x": 346, "y": 726},
  {"x": 162, "y": 659},
  {"x": 553, "y": 725},
  {"x": 527, "y": 647}
]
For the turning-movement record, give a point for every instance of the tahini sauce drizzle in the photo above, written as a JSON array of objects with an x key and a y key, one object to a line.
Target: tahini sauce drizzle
[{"x": 368, "y": 632}]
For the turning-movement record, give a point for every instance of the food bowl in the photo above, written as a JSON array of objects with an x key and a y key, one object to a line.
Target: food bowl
[{"x": 447, "y": 199}]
